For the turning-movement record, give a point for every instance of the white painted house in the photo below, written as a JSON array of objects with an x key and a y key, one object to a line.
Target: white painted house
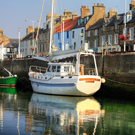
[
  {"x": 27, "y": 45},
  {"x": 78, "y": 33}
]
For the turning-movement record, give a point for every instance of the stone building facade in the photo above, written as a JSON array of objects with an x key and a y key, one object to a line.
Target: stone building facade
[{"x": 103, "y": 35}]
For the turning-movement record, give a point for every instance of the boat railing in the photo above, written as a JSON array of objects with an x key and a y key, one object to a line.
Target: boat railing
[{"x": 37, "y": 69}]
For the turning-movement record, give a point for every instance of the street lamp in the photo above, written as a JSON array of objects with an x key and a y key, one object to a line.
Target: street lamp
[
  {"x": 125, "y": 27},
  {"x": 19, "y": 43},
  {"x": 33, "y": 27},
  {"x": 63, "y": 34}
]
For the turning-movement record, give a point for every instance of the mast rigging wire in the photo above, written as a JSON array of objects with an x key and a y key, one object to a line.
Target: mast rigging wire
[{"x": 38, "y": 27}]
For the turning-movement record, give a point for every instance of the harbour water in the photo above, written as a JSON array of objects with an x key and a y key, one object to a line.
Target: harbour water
[{"x": 28, "y": 113}]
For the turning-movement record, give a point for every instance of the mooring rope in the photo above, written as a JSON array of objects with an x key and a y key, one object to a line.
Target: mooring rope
[{"x": 118, "y": 81}]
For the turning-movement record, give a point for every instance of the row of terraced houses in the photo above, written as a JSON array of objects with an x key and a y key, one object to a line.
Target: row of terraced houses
[{"x": 98, "y": 31}]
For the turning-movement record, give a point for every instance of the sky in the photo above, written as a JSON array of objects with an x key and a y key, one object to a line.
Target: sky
[{"x": 13, "y": 13}]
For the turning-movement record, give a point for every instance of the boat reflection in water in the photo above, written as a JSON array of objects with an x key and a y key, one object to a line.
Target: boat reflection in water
[
  {"x": 64, "y": 115},
  {"x": 8, "y": 90}
]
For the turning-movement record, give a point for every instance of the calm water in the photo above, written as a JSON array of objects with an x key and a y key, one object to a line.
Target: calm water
[{"x": 35, "y": 114}]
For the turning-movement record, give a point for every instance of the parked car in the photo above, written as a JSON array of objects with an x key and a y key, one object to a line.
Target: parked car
[{"x": 30, "y": 56}]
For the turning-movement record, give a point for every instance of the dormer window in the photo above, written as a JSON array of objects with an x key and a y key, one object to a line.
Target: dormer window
[
  {"x": 85, "y": 20},
  {"x": 129, "y": 16},
  {"x": 103, "y": 27},
  {"x": 116, "y": 25},
  {"x": 78, "y": 21}
]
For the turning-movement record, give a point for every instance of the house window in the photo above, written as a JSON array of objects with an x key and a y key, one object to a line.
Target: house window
[
  {"x": 31, "y": 42},
  {"x": 67, "y": 34},
  {"x": 74, "y": 45},
  {"x": 103, "y": 40},
  {"x": 116, "y": 39},
  {"x": 88, "y": 33},
  {"x": 25, "y": 51},
  {"x": 40, "y": 48},
  {"x": 103, "y": 27},
  {"x": 43, "y": 47},
  {"x": 81, "y": 32},
  {"x": 88, "y": 44},
  {"x": 58, "y": 35},
  {"x": 81, "y": 42},
  {"x": 40, "y": 36},
  {"x": 109, "y": 39},
  {"x": 96, "y": 32},
  {"x": 131, "y": 33},
  {"x": 116, "y": 25},
  {"x": 73, "y": 34},
  {"x": 95, "y": 43}
]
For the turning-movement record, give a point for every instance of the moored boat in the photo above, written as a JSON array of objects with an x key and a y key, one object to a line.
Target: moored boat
[
  {"x": 9, "y": 81},
  {"x": 65, "y": 78}
]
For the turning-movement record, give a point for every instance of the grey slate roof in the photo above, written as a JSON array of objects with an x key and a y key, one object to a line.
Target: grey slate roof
[
  {"x": 97, "y": 25},
  {"x": 12, "y": 44},
  {"x": 82, "y": 24},
  {"x": 27, "y": 36}
]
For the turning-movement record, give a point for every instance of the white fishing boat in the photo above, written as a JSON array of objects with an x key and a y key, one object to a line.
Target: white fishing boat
[{"x": 65, "y": 78}]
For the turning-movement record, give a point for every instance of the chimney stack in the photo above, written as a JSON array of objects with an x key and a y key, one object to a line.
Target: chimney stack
[
  {"x": 132, "y": 5},
  {"x": 1, "y": 31},
  {"x": 98, "y": 8},
  {"x": 111, "y": 13},
  {"x": 74, "y": 15},
  {"x": 85, "y": 11},
  {"x": 29, "y": 30}
]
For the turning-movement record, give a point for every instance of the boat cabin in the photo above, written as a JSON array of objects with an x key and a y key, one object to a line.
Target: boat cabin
[{"x": 61, "y": 69}]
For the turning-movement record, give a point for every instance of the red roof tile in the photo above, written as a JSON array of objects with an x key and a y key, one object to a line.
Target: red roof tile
[{"x": 68, "y": 25}]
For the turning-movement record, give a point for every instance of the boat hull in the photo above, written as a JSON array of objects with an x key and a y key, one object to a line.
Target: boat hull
[
  {"x": 66, "y": 86},
  {"x": 8, "y": 81}
]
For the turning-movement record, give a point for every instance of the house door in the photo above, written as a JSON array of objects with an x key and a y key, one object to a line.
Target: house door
[{"x": 60, "y": 47}]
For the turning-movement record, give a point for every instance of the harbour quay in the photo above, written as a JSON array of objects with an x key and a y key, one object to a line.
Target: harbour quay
[{"x": 117, "y": 69}]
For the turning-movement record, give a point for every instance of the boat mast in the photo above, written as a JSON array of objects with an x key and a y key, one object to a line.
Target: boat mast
[
  {"x": 77, "y": 64},
  {"x": 51, "y": 29}
]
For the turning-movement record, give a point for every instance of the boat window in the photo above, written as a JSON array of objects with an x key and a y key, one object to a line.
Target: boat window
[
  {"x": 58, "y": 68},
  {"x": 66, "y": 69},
  {"x": 53, "y": 68},
  {"x": 49, "y": 69}
]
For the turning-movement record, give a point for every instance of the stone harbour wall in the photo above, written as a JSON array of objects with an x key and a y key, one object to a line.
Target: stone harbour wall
[{"x": 115, "y": 67}]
